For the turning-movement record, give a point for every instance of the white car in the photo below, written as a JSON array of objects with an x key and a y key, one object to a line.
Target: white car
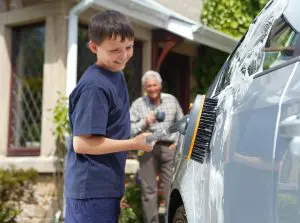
[{"x": 251, "y": 171}]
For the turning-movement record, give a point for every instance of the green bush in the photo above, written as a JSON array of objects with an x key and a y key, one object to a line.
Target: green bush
[
  {"x": 16, "y": 185},
  {"x": 231, "y": 16},
  {"x": 61, "y": 130},
  {"x": 132, "y": 213}
]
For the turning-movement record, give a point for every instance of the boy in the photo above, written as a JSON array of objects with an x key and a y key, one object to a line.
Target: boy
[{"x": 100, "y": 124}]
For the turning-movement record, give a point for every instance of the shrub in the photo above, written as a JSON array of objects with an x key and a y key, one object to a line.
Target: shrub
[
  {"x": 16, "y": 185},
  {"x": 132, "y": 212},
  {"x": 61, "y": 131}
]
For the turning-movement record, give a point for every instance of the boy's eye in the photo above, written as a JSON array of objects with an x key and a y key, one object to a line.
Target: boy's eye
[
  {"x": 129, "y": 47},
  {"x": 114, "y": 50}
]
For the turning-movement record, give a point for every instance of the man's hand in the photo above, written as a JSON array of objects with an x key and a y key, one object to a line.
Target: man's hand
[
  {"x": 150, "y": 119},
  {"x": 141, "y": 144}
]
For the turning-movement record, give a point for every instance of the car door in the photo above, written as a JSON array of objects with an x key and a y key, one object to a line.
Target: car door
[
  {"x": 287, "y": 154},
  {"x": 252, "y": 148}
]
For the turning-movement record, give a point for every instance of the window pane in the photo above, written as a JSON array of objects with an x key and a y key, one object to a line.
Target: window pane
[
  {"x": 280, "y": 46},
  {"x": 275, "y": 45},
  {"x": 28, "y": 60}
]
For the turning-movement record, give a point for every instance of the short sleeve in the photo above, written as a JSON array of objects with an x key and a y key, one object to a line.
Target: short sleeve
[{"x": 91, "y": 113}]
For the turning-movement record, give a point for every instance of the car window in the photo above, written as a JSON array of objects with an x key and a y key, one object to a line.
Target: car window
[
  {"x": 281, "y": 44},
  {"x": 223, "y": 77},
  {"x": 278, "y": 45}
]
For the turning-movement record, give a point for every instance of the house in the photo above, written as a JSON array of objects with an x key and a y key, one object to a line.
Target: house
[{"x": 43, "y": 51}]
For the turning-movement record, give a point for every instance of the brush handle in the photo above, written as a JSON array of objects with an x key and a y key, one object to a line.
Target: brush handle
[
  {"x": 157, "y": 135},
  {"x": 178, "y": 126}
]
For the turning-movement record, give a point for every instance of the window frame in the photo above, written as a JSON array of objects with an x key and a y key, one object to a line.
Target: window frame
[{"x": 13, "y": 150}]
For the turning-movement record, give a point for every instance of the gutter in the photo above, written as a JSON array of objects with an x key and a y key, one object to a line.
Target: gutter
[
  {"x": 73, "y": 43},
  {"x": 214, "y": 39},
  {"x": 149, "y": 12}
]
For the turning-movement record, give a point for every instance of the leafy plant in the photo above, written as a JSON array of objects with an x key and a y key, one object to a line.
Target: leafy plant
[
  {"x": 60, "y": 118},
  {"x": 16, "y": 185},
  {"x": 132, "y": 212},
  {"x": 231, "y": 16},
  {"x": 61, "y": 131}
]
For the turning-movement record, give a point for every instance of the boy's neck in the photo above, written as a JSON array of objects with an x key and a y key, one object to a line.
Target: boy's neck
[{"x": 104, "y": 68}]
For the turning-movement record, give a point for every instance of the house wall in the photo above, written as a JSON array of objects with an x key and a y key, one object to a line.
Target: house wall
[
  {"x": 54, "y": 14},
  {"x": 188, "y": 8},
  {"x": 43, "y": 205}
]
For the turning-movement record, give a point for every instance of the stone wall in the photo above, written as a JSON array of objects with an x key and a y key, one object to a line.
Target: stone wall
[{"x": 43, "y": 206}]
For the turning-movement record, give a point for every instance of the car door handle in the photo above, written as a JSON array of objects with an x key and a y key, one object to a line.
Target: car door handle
[{"x": 290, "y": 127}]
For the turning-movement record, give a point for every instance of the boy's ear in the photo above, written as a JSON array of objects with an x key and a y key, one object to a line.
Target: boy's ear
[{"x": 92, "y": 47}]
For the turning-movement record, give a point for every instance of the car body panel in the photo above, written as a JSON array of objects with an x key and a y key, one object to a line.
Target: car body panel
[
  {"x": 292, "y": 15},
  {"x": 251, "y": 174}
]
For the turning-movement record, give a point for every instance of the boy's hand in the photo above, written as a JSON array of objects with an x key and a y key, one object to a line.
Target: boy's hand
[{"x": 141, "y": 144}]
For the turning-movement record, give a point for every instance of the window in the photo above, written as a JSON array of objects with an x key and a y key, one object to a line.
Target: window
[
  {"x": 280, "y": 46},
  {"x": 223, "y": 77},
  {"x": 265, "y": 47},
  {"x": 27, "y": 88}
]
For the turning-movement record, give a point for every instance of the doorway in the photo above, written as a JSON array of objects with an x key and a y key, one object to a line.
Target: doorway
[{"x": 175, "y": 72}]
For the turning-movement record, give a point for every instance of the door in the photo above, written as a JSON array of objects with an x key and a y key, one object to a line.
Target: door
[{"x": 176, "y": 77}]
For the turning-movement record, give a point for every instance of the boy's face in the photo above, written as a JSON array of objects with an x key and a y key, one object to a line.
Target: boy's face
[{"x": 113, "y": 54}]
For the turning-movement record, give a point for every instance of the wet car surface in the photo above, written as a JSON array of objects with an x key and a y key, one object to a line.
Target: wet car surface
[{"x": 252, "y": 173}]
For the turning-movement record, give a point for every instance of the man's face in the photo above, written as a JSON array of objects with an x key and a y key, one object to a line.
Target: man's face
[
  {"x": 113, "y": 54},
  {"x": 152, "y": 88}
]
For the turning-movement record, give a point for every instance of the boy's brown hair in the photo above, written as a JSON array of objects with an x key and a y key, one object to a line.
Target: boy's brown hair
[{"x": 110, "y": 24}]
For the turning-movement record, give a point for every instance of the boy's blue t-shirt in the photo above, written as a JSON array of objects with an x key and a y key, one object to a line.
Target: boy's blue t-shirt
[{"x": 99, "y": 105}]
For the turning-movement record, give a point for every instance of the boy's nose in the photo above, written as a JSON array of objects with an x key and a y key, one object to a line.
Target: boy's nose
[{"x": 123, "y": 56}]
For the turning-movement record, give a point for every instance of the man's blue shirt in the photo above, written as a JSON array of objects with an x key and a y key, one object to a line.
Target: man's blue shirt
[{"x": 99, "y": 105}]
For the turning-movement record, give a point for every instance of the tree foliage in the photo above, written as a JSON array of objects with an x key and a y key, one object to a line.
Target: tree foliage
[{"x": 231, "y": 16}]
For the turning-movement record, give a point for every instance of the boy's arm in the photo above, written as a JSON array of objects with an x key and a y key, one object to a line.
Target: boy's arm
[
  {"x": 97, "y": 145},
  {"x": 90, "y": 118}
]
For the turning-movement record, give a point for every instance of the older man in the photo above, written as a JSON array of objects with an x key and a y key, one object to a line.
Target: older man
[{"x": 152, "y": 112}]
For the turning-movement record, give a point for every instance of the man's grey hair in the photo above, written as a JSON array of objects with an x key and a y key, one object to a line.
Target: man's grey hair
[{"x": 150, "y": 74}]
